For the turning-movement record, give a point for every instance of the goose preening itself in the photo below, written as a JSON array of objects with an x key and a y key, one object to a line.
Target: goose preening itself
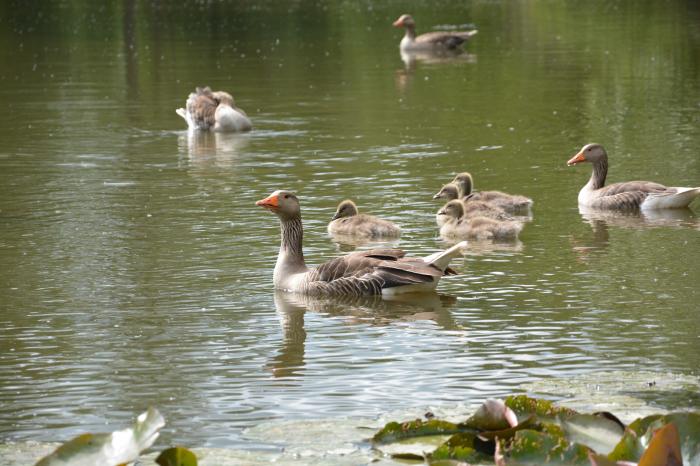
[
  {"x": 371, "y": 272},
  {"x": 207, "y": 110},
  {"x": 628, "y": 195},
  {"x": 430, "y": 40},
  {"x": 511, "y": 203},
  {"x": 473, "y": 208},
  {"x": 457, "y": 226},
  {"x": 347, "y": 221}
]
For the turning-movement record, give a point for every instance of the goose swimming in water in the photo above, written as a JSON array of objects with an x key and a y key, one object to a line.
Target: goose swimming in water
[
  {"x": 628, "y": 195},
  {"x": 371, "y": 272},
  {"x": 451, "y": 192},
  {"x": 511, "y": 203},
  {"x": 457, "y": 226},
  {"x": 207, "y": 110},
  {"x": 347, "y": 221},
  {"x": 430, "y": 40}
]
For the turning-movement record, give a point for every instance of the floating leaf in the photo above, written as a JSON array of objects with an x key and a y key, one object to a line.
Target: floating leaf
[
  {"x": 394, "y": 431},
  {"x": 415, "y": 448},
  {"x": 664, "y": 448},
  {"x": 491, "y": 415},
  {"x": 463, "y": 446},
  {"x": 523, "y": 405},
  {"x": 532, "y": 447},
  {"x": 177, "y": 456},
  {"x": 121, "y": 446},
  {"x": 598, "y": 433}
]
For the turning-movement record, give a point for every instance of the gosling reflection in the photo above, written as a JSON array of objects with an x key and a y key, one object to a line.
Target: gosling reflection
[
  {"x": 209, "y": 147},
  {"x": 367, "y": 310}
]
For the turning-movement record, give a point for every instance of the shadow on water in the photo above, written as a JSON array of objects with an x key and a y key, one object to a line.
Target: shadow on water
[{"x": 357, "y": 310}]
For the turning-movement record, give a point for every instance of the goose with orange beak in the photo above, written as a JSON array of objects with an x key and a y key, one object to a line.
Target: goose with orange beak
[
  {"x": 371, "y": 272},
  {"x": 628, "y": 195}
]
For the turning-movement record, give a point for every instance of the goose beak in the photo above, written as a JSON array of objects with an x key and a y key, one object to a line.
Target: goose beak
[
  {"x": 270, "y": 202},
  {"x": 398, "y": 23},
  {"x": 336, "y": 216},
  {"x": 578, "y": 158},
  {"x": 442, "y": 212},
  {"x": 437, "y": 196}
]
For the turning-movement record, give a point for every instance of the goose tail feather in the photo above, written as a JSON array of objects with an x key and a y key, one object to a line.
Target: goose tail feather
[{"x": 442, "y": 259}]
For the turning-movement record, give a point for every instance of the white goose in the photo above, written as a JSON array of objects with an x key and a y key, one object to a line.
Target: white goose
[
  {"x": 628, "y": 195},
  {"x": 205, "y": 110},
  {"x": 371, "y": 272}
]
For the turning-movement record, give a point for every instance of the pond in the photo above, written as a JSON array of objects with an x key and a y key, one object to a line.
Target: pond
[{"x": 137, "y": 270}]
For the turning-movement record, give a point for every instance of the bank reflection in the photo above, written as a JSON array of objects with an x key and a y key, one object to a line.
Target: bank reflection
[{"x": 357, "y": 310}]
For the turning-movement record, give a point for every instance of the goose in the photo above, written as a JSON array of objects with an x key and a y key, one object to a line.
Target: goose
[
  {"x": 206, "y": 110},
  {"x": 628, "y": 195},
  {"x": 451, "y": 192},
  {"x": 370, "y": 272},
  {"x": 430, "y": 40},
  {"x": 457, "y": 226},
  {"x": 511, "y": 203},
  {"x": 348, "y": 221}
]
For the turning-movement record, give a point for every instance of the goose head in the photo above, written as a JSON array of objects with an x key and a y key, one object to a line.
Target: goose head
[
  {"x": 449, "y": 191},
  {"x": 347, "y": 208},
  {"x": 465, "y": 182},
  {"x": 405, "y": 21},
  {"x": 453, "y": 209},
  {"x": 589, "y": 153},
  {"x": 222, "y": 97},
  {"x": 284, "y": 204}
]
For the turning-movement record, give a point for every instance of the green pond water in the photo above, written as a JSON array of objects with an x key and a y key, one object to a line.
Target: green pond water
[{"x": 137, "y": 270}]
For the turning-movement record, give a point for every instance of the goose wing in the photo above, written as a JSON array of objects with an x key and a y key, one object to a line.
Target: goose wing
[
  {"x": 447, "y": 39},
  {"x": 201, "y": 105},
  {"x": 627, "y": 195}
]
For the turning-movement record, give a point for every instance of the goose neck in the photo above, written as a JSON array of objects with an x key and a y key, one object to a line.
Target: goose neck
[
  {"x": 291, "y": 247},
  {"x": 600, "y": 172}
]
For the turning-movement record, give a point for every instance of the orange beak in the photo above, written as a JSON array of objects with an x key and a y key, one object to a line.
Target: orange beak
[
  {"x": 578, "y": 158},
  {"x": 270, "y": 202},
  {"x": 398, "y": 23}
]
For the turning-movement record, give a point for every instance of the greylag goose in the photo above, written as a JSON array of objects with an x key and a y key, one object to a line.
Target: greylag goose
[
  {"x": 347, "y": 221},
  {"x": 371, "y": 272},
  {"x": 451, "y": 192},
  {"x": 457, "y": 226},
  {"x": 430, "y": 40},
  {"x": 627, "y": 195},
  {"x": 207, "y": 110},
  {"x": 511, "y": 203}
]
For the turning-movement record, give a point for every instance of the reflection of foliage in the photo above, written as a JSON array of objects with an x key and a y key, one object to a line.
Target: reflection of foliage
[{"x": 548, "y": 434}]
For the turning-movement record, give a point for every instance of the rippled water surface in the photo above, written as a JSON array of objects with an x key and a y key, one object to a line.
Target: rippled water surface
[{"x": 136, "y": 268}]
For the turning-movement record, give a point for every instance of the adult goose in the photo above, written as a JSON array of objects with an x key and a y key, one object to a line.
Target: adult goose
[
  {"x": 628, "y": 195},
  {"x": 457, "y": 226},
  {"x": 207, "y": 110},
  {"x": 436, "y": 41},
  {"x": 511, "y": 203},
  {"x": 347, "y": 221},
  {"x": 371, "y": 272},
  {"x": 450, "y": 192}
]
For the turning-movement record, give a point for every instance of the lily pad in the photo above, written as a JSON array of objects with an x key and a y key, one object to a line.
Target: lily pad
[
  {"x": 177, "y": 456},
  {"x": 394, "y": 431},
  {"x": 598, "y": 433},
  {"x": 523, "y": 405},
  {"x": 108, "y": 449},
  {"x": 464, "y": 447},
  {"x": 532, "y": 447},
  {"x": 664, "y": 448}
]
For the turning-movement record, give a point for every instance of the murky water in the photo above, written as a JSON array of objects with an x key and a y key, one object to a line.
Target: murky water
[{"x": 136, "y": 269}]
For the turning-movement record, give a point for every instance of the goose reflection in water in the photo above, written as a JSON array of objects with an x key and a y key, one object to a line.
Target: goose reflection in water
[
  {"x": 601, "y": 220},
  {"x": 212, "y": 148},
  {"x": 357, "y": 310},
  {"x": 411, "y": 59}
]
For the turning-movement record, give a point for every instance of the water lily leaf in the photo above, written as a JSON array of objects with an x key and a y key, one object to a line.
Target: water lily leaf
[
  {"x": 464, "y": 447},
  {"x": 177, "y": 456},
  {"x": 523, "y": 405},
  {"x": 598, "y": 433},
  {"x": 121, "y": 446},
  {"x": 394, "y": 431},
  {"x": 602, "y": 460},
  {"x": 664, "y": 448},
  {"x": 532, "y": 447},
  {"x": 412, "y": 448},
  {"x": 491, "y": 415}
]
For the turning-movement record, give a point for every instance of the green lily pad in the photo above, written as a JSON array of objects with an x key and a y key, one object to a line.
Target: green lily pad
[
  {"x": 532, "y": 447},
  {"x": 416, "y": 448},
  {"x": 177, "y": 456},
  {"x": 109, "y": 449},
  {"x": 464, "y": 447},
  {"x": 523, "y": 405},
  {"x": 394, "y": 431}
]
